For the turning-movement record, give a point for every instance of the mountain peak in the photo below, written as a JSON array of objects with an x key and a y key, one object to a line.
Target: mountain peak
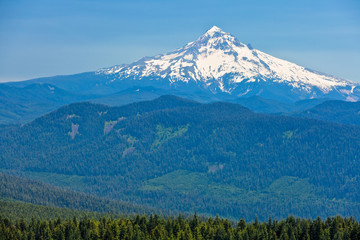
[
  {"x": 213, "y": 30},
  {"x": 219, "y": 62},
  {"x": 217, "y": 39}
]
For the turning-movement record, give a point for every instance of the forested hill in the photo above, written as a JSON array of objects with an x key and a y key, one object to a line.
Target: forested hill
[
  {"x": 17, "y": 189},
  {"x": 335, "y": 111},
  {"x": 171, "y": 153}
]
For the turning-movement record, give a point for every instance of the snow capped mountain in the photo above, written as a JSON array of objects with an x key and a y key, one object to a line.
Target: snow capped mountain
[{"x": 218, "y": 62}]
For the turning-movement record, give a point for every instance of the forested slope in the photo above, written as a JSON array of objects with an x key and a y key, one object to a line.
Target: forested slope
[
  {"x": 15, "y": 190},
  {"x": 171, "y": 153},
  {"x": 335, "y": 111}
]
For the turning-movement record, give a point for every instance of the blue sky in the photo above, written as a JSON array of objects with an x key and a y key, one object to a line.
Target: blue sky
[{"x": 46, "y": 38}]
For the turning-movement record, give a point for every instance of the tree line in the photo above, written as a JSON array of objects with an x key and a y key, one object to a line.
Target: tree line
[{"x": 155, "y": 227}]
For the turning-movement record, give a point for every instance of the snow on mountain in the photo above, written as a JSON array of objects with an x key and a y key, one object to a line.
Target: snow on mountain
[{"x": 219, "y": 62}]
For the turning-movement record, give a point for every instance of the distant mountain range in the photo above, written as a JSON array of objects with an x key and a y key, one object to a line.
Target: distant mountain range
[
  {"x": 176, "y": 154},
  {"x": 27, "y": 103},
  {"x": 215, "y": 67}
]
